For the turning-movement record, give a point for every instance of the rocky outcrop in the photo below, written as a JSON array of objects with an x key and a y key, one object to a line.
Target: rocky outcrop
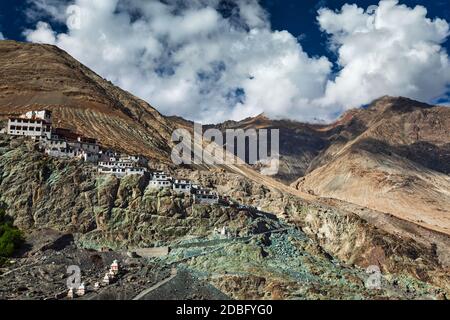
[
  {"x": 69, "y": 196},
  {"x": 356, "y": 242},
  {"x": 268, "y": 247}
]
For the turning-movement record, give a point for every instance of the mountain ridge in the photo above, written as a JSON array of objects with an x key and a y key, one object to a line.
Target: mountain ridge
[
  {"x": 43, "y": 76},
  {"x": 392, "y": 157},
  {"x": 351, "y": 186}
]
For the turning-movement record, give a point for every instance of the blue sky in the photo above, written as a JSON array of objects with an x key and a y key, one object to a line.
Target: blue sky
[
  {"x": 298, "y": 17},
  {"x": 307, "y": 72}
]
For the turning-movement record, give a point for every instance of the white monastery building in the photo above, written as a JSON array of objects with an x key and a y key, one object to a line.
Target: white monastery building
[
  {"x": 182, "y": 186},
  {"x": 160, "y": 180},
  {"x": 122, "y": 172},
  {"x": 34, "y": 124},
  {"x": 64, "y": 143},
  {"x": 204, "y": 196},
  {"x": 121, "y": 165}
]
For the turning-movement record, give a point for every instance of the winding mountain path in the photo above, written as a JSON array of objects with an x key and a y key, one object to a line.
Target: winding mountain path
[{"x": 141, "y": 295}]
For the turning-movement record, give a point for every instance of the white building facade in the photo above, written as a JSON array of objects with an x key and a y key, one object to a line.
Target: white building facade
[
  {"x": 35, "y": 124},
  {"x": 182, "y": 186},
  {"x": 29, "y": 127},
  {"x": 160, "y": 179},
  {"x": 122, "y": 172},
  {"x": 64, "y": 143}
]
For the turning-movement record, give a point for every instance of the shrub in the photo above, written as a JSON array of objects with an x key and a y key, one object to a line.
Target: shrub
[{"x": 10, "y": 237}]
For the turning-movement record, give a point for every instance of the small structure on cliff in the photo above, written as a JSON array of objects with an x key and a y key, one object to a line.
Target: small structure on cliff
[
  {"x": 64, "y": 143},
  {"x": 34, "y": 124},
  {"x": 115, "y": 267},
  {"x": 205, "y": 196},
  {"x": 111, "y": 159},
  {"x": 55, "y": 142},
  {"x": 70, "y": 294},
  {"x": 121, "y": 165},
  {"x": 182, "y": 186},
  {"x": 160, "y": 179},
  {"x": 122, "y": 172},
  {"x": 107, "y": 279},
  {"x": 222, "y": 232}
]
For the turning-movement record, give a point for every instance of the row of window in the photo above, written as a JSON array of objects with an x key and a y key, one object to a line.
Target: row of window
[
  {"x": 39, "y": 129},
  {"x": 27, "y": 121},
  {"x": 57, "y": 142},
  {"x": 90, "y": 147},
  {"x": 204, "y": 193},
  {"x": 182, "y": 186},
  {"x": 163, "y": 183},
  {"x": 119, "y": 170},
  {"x": 206, "y": 198},
  {"x": 159, "y": 177},
  {"x": 120, "y": 164},
  {"x": 62, "y": 151}
]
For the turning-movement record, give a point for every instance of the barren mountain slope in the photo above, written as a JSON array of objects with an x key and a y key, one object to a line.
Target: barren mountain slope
[
  {"x": 393, "y": 157},
  {"x": 66, "y": 195},
  {"x": 41, "y": 76},
  {"x": 34, "y": 77},
  {"x": 396, "y": 139}
]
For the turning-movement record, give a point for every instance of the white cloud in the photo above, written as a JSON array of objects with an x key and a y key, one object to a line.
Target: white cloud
[
  {"x": 205, "y": 64},
  {"x": 1, "y": 36},
  {"x": 42, "y": 34},
  {"x": 41, "y": 8},
  {"x": 388, "y": 50}
]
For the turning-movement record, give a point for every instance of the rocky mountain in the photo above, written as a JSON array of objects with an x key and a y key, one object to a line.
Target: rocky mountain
[
  {"x": 393, "y": 157},
  {"x": 302, "y": 250},
  {"x": 37, "y": 76},
  {"x": 369, "y": 190}
]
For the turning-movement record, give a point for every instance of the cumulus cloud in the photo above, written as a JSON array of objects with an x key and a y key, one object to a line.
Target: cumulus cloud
[
  {"x": 214, "y": 60},
  {"x": 388, "y": 49},
  {"x": 42, "y": 34},
  {"x": 1, "y": 36}
]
